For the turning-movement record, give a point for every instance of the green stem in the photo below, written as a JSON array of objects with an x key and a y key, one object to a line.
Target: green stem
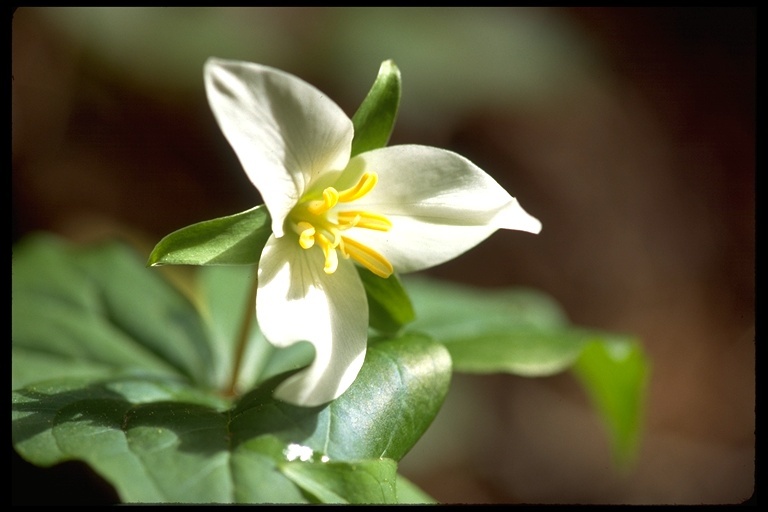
[{"x": 242, "y": 340}]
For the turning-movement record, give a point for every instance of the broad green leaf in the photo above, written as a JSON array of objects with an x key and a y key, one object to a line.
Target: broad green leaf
[
  {"x": 525, "y": 333},
  {"x": 524, "y": 352},
  {"x": 363, "y": 482},
  {"x": 389, "y": 306},
  {"x": 408, "y": 492},
  {"x": 393, "y": 400},
  {"x": 615, "y": 372},
  {"x": 144, "y": 412},
  {"x": 375, "y": 118},
  {"x": 98, "y": 312},
  {"x": 123, "y": 428},
  {"x": 450, "y": 308},
  {"x": 158, "y": 440},
  {"x": 487, "y": 331},
  {"x": 233, "y": 240}
]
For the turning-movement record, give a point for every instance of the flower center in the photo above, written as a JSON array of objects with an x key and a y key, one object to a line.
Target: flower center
[{"x": 317, "y": 222}]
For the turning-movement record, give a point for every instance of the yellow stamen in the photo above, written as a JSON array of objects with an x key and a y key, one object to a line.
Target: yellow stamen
[
  {"x": 306, "y": 234},
  {"x": 329, "y": 250},
  {"x": 367, "y": 257},
  {"x": 366, "y": 220},
  {"x": 319, "y": 207},
  {"x": 364, "y": 185},
  {"x": 314, "y": 225}
]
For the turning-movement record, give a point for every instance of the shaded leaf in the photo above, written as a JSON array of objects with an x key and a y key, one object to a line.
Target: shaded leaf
[
  {"x": 128, "y": 443},
  {"x": 138, "y": 404},
  {"x": 158, "y": 440},
  {"x": 98, "y": 311},
  {"x": 225, "y": 299},
  {"x": 528, "y": 353},
  {"x": 525, "y": 333},
  {"x": 487, "y": 331}
]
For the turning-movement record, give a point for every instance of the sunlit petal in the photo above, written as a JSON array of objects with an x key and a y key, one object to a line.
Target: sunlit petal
[
  {"x": 297, "y": 301},
  {"x": 285, "y": 132},
  {"x": 439, "y": 203}
]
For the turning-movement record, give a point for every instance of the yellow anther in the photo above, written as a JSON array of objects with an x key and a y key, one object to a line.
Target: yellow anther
[
  {"x": 367, "y": 257},
  {"x": 364, "y": 185},
  {"x": 314, "y": 224},
  {"x": 319, "y": 207},
  {"x": 334, "y": 231},
  {"x": 366, "y": 220},
  {"x": 329, "y": 251},
  {"x": 306, "y": 234}
]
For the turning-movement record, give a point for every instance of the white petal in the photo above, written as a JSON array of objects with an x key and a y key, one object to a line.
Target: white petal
[
  {"x": 440, "y": 205},
  {"x": 285, "y": 132},
  {"x": 297, "y": 301}
]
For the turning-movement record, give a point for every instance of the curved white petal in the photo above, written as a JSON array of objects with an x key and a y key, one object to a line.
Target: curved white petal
[
  {"x": 440, "y": 205},
  {"x": 285, "y": 132},
  {"x": 297, "y": 301}
]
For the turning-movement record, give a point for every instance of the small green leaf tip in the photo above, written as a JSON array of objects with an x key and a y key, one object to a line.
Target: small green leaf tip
[{"x": 375, "y": 119}]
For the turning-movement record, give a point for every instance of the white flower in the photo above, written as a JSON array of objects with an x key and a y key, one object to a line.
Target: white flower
[{"x": 394, "y": 209}]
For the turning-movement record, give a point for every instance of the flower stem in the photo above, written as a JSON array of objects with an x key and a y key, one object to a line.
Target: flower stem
[{"x": 242, "y": 339}]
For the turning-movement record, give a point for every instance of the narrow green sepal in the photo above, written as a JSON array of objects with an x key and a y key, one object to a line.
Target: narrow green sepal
[
  {"x": 233, "y": 240},
  {"x": 389, "y": 307},
  {"x": 375, "y": 118}
]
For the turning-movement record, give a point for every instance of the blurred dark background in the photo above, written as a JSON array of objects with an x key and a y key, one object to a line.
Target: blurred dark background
[{"x": 629, "y": 132}]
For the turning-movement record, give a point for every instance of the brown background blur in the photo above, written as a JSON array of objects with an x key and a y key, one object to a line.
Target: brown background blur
[{"x": 630, "y": 133}]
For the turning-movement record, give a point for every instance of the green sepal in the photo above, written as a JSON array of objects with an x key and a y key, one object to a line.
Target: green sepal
[
  {"x": 232, "y": 240},
  {"x": 375, "y": 118},
  {"x": 389, "y": 307}
]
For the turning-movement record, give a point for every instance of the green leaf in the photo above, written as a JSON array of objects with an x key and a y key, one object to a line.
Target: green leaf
[
  {"x": 520, "y": 331},
  {"x": 389, "y": 306},
  {"x": 375, "y": 119},
  {"x": 393, "y": 400},
  {"x": 158, "y": 440},
  {"x": 99, "y": 312},
  {"x": 129, "y": 386},
  {"x": 225, "y": 303},
  {"x": 363, "y": 482},
  {"x": 615, "y": 371},
  {"x": 126, "y": 429},
  {"x": 233, "y": 240},
  {"x": 408, "y": 492},
  {"x": 528, "y": 353},
  {"x": 525, "y": 333}
]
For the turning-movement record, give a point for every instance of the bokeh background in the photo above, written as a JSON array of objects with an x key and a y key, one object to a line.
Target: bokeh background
[{"x": 629, "y": 132}]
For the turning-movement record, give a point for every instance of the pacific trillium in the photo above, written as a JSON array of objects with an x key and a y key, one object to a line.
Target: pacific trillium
[{"x": 395, "y": 209}]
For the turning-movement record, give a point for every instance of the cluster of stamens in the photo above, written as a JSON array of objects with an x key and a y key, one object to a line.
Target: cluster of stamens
[{"x": 316, "y": 222}]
